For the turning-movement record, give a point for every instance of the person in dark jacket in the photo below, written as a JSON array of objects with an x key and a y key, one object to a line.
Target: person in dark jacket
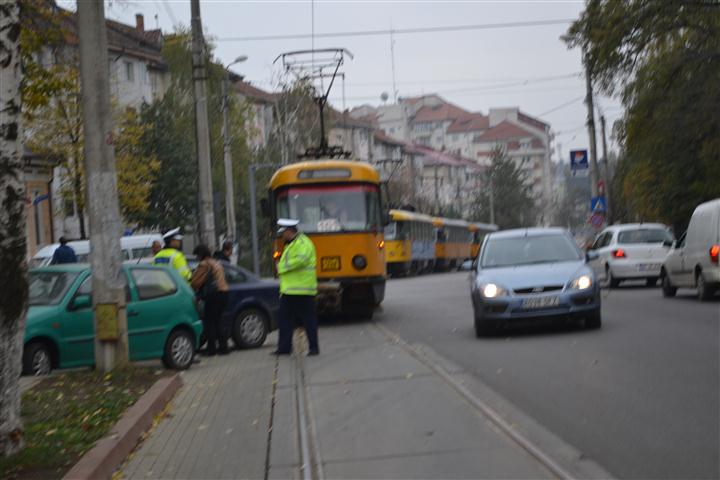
[
  {"x": 63, "y": 254},
  {"x": 209, "y": 281},
  {"x": 224, "y": 253}
]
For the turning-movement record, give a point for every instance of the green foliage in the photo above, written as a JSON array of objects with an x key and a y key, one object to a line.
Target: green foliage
[
  {"x": 663, "y": 60},
  {"x": 171, "y": 138},
  {"x": 512, "y": 198}
]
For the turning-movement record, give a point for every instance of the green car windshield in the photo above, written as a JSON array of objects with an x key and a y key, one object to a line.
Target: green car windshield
[{"x": 48, "y": 288}]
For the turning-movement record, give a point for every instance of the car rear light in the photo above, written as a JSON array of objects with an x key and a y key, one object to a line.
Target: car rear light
[
  {"x": 619, "y": 253},
  {"x": 714, "y": 253}
]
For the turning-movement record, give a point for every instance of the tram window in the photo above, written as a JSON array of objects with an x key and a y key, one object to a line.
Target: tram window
[{"x": 391, "y": 231}]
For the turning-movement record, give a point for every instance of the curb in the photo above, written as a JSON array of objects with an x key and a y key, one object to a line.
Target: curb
[{"x": 109, "y": 452}]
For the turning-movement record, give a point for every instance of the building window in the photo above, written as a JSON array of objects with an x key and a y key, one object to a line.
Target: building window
[{"x": 129, "y": 72}]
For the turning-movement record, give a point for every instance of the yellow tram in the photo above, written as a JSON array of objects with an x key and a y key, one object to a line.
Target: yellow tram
[
  {"x": 452, "y": 245},
  {"x": 339, "y": 207},
  {"x": 410, "y": 243},
  {"x": 478, "y": 231}
]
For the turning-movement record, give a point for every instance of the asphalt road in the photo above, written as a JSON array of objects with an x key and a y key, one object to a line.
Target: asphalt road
[{"x": 641, "y": 396}]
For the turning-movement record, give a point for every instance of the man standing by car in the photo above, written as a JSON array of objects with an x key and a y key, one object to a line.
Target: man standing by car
[
  {"x": 225, "y": 252},
  {"x": 298, "y": 287},
  {"x": 63, "y": 254},
  {"x": 172, "y": 256}
]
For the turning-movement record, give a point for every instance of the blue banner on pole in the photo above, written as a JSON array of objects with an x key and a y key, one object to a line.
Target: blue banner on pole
[{"x": 578, "y": 159}]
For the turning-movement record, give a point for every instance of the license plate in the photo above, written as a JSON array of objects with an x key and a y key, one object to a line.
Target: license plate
[
  {"x": 648, "y": 266},
  {"x": 540, "y": 302},
  {"x": 330, "y": 264}
]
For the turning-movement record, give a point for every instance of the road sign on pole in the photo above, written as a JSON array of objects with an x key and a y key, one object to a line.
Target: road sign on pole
[
  {"x": 597, "y": 204},
  {"x": 578, "y": 160},
  {"x": 597, "y": 220}
]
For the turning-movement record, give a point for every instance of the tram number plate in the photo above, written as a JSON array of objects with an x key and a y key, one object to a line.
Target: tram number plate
[
  {"x": 540, "y": 302},
  {"x": 330, "y": 264}
]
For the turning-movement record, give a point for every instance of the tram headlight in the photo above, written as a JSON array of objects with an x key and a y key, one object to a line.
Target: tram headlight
[{"x": 359, "y": 262}]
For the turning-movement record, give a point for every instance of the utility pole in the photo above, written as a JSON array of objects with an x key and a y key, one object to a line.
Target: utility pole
[
  {"x": 227, "y": 155},
  {"x": 108, "y": 279},
  {"x": 202, "y": 131},
  {"x": 606, "y": 172},
  {"x": 253, "y": 219},
  {"x": 437, "y": 194},
  {"x": 591, "y": 131}
]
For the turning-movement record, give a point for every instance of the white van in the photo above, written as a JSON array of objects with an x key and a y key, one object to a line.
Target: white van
[
  {"x": 693, "y": 260},
  {"x": 133, "y": 247}
]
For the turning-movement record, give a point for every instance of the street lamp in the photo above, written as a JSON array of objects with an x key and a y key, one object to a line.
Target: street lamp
[{"x": 229, "y": 193}]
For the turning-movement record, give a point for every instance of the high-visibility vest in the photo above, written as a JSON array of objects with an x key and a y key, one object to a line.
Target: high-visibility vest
[
  {"x": 296, "y": 267},
  {"x": 169, "y": 257}
]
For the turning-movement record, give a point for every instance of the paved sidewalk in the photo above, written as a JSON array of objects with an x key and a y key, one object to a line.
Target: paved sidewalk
[
  {"x": 217, "y": 426},
  {"x": 373, "y": 411}
]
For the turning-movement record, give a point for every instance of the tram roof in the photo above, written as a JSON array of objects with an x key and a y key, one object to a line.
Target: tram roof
[
  {"x": 408, "y": 216},
  {"x": 488, "y": 227},
  {"x": 449, "y": 222},
  {"x": 324, "y": 171}
]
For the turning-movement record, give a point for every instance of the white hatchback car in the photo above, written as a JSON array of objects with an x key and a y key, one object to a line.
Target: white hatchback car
[
  {"x": 632, "y": 251},
  {"x": 695, "y": 259}
]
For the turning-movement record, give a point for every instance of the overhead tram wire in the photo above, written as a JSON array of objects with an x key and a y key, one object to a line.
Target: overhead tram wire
[
  {"x": 399, "y": 31},
  {"x": 554, "y": 109}
]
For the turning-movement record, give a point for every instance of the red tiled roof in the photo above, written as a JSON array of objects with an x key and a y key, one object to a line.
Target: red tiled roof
[
  {"x": 532, "y": 121},
  {"x": 341, "y": 119},
  {"x": 445, "y": 111},
  {"x": 470, "y": 123},
  {"x": 126, "y": 39},
  {"x": 504, "y": 130},
  {"x": 432, "y": 157},
  {"x": 244, "y": 88},
  {"x": 382, "y": 137}
]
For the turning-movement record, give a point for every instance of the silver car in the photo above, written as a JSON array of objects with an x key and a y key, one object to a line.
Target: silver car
[
  {"x": 633, "y": 251},
  {"x": 532, "y": 274}
]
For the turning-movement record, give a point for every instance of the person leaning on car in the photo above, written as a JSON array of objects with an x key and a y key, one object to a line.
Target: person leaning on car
[{"x": 209, "y": 281}]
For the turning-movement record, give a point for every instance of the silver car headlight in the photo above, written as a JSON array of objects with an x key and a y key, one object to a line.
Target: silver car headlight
[
  {"x": 583, "y": 282},
  {"x": 492, "y": 290}
]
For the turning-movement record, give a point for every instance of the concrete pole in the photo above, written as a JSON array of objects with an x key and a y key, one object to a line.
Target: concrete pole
[
  {"x": 591, "y": 132},
  {"x": 437, "y": 193},
  {"x": 606, "y": 172},
  {"x": 229, "y": 191},
  {"x": 108, "y": 279},
  {"x": 547, "y": 203},
  {"x": 253, "y": 220},
  {"x": 205, "y": 190}
]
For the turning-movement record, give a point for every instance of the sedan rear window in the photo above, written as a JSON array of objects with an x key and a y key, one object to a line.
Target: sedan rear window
[
  {"x": 644, "y": 235},
  {"x": 505, "y": 252}
]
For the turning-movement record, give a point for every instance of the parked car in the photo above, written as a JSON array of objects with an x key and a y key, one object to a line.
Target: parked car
[
  {"x": 133, "y": 247},
  {"x": 631, "y": 252},
  {"x": 693, "y": 260},
  {"x": 161, "y": 315},
  {"x": 252, "y": 307},
  {"x": 532, "y": 274}
]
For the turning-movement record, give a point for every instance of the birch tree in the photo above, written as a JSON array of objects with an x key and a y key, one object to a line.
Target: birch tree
[{"x": 13, "y": 294}]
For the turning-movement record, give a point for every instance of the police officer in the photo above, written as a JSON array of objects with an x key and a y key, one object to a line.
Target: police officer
[
  {"x": 171, "y": 256},
  {"x": 298, "y": 287}
]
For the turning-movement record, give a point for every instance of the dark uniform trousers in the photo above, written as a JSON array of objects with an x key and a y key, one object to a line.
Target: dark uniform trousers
[{"x": 297, "y": 310}]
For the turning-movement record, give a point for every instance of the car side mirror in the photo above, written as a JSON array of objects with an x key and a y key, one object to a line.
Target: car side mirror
[
  {"x": 265, "y": 207},
  {"x": 81, "y": 301},
  {"x": 591, "y": 255}
]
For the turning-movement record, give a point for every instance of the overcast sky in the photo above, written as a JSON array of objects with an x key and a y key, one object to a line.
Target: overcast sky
[{"x": 529, "y": 67}]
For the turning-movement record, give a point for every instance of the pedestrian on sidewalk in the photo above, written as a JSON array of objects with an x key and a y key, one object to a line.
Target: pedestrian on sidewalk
[
  {"x": 63, "y": 254},
  {"x": 209, "y": 281},
  {"x": 298, "y": 287},
  {"x": 225, "y": 252},
  {"x": 172, "y": 256}
]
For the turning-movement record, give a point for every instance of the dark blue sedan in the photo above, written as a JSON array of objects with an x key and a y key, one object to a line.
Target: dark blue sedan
[{"x": 252, "y": 308}]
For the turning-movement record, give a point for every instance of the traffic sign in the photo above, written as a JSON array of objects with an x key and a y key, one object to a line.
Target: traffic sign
[
  {"x": 597, "y": 220},
  {"x": 598, "y": 204},
  {"x": 578, "y": 160}
]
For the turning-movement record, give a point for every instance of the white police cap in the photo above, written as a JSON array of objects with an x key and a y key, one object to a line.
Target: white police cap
[
  {"x": 173, "y": 234},
  {"x": 285, "y": 223}
]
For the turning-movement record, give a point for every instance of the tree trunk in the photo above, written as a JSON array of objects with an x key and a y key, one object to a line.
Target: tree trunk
[{"x": 13, "y": 295}]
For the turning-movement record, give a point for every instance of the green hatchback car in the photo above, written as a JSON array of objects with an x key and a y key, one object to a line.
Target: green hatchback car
[{"x": 59, "y": 333}]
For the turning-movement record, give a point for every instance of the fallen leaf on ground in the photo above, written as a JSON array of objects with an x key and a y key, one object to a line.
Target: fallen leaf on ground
[{"x": 50, "y": 432}]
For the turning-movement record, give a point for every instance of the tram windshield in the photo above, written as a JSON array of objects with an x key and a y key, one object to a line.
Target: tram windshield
[{"x": 331, "y": 208}]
